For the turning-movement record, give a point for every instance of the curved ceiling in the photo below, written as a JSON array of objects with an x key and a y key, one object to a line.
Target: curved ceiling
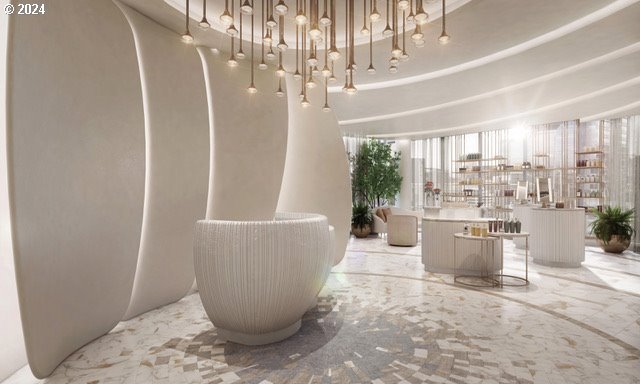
[{"x": 509, "y": 62}]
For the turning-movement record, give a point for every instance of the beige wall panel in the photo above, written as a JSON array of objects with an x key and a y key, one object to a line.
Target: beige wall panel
[
  {"x": 177, "y": 142},
  {"x": 75, "y": 141}
]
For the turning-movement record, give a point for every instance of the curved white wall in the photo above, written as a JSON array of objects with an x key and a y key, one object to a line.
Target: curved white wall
[
  {"x": 12, "y": 354},
  {"x": 76, "y": 173},
  {"x": 249, "y": 141},
  {"x": 177, "y": 142},
  {"x": 316, "y": 174}
]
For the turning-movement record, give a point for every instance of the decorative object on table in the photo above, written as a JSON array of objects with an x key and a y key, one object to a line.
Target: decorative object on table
[
  {"x": 474, "y": 156},
  {"x": 437, "y": 191},
  {"x": 518, "y": 225},
  {"x": 612, "y": 227},
  {"x": 466, "y": 229},
  {"x": 560, "y": 205},
  {"x": 429, "y": 195},
  {"x": 526, "y": 165},
  {"x": 376, "y": 178},
  {"x": 361, "y": 220}
]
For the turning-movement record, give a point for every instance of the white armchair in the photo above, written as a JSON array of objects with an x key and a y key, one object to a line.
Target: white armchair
[
  {"x": 402, "y": 230},
  {"x": 381, "y": 227}
]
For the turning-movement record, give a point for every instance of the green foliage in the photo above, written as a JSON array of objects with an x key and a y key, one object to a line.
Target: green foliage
[
  {"x": 361, "y": 216},
  {"x": 376, "y": 174},
  {"x": 612, "y": 221}
]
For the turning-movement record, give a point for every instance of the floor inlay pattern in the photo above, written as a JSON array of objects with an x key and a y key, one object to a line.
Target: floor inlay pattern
[{"x": 382, "y": 319}]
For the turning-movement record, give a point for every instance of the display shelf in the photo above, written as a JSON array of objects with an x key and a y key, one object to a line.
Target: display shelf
[
  {"x": 590, "y": 153},
  {"x": 479, "y": 160}
]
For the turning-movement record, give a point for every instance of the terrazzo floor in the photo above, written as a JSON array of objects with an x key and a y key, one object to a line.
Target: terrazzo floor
[{"x": 382, "y": 319}]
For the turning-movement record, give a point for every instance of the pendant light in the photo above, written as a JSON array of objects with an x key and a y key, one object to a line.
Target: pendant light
[
  {"x": 333, "y": 77},
  {"x": 282, "y": 45},
  {"x": 334, "y": 53},
  {"x": 297, "y": 74},
  {"x": 395, "y": 49},
  {"x": 404, "y": 56},
  {"x": 364, "y": 31},
  {"x": 326, "y": 107},
  {"x": 252, "y": 87},
  {"x": 421, "y": 16},
  {"x": 417, "y": 33},
  {"x": 403, "y": 4},
  {"x": 270, "y": 54},
  {"x": 444, "y": 38},
  {"x": 226, "y": 18},
  {"x": 232, "y": 62},
  {"x": 351, "y": 89},
  {"x": 281, "y": 8},
  {"x": 314, "y": 32},
  {"x": 375, "y": 15},
  {"x": 411, "y": 15},
  {"x": 303, "y": 93},
  {"x": 271, "y": 22},
  {"x": 387, "y": 30},
  {"x": 325, "y": 20},
  {"x": 204, "y": 24},
  {"x": 231, "y": 30},
  {"x": 326, "y": 72},
  {"x": 280, "y": 92},
  {"x": 371, "y": 69},
  {"x": 262, "y": 66},
  {"x": 186, "y": 36},
  {"x": 301, "y": 18},
  {"x": 240, "y": 53},
  {"x": 280, "y": 72},
  {"x": 247, "y": 7}
]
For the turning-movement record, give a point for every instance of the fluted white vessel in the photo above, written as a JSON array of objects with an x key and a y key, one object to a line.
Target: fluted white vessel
[{"x": 258, "y": 278}]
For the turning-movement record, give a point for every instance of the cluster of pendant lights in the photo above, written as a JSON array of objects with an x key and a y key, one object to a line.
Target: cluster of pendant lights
[{"x": 314, "y": 30}]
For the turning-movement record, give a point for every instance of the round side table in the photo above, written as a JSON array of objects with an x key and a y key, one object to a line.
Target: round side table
[
  {"x": 486, "y": 279},
  {"x": 524, "y": 281}
]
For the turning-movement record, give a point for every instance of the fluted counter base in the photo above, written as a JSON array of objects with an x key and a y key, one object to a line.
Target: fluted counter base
[
  {"x": 259, "y": 339},
  {"x": 557, "y": 264}
]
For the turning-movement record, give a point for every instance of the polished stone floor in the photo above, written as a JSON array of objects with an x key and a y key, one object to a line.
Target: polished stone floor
[{"x": 382, "y": 319}]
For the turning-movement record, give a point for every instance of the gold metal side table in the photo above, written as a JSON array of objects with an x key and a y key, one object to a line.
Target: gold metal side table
[
  {"x": 488, "y": 279},
  {"x": 502, "y": 275}
]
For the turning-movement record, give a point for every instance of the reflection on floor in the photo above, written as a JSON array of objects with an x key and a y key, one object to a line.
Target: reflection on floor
[{"x": 382, "y": 319}]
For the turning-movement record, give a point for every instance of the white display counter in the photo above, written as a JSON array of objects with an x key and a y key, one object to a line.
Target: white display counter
[
  {"x": 557, "y": 236},
  {"x": 522, "y": 212},
  {"x": 437, "y": 247}
]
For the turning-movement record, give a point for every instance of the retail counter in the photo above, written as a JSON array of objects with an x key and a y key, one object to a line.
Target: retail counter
[{"x": 557, "y": 236}]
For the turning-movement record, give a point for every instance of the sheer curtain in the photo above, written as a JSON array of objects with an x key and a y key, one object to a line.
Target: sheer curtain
[{"x": 623, "y": 166}]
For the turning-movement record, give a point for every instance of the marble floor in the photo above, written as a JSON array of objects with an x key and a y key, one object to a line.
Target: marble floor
[{"x": 382, "y": 319}]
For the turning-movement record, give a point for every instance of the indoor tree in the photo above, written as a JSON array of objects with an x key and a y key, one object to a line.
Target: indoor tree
[{"x": 376, "y": 173}]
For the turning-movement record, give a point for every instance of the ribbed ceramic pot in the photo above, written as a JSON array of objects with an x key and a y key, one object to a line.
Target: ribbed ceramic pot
[{"x": 258, "y": 278}]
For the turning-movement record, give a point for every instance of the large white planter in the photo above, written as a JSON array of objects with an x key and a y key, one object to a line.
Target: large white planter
[{"x": 258, "y": 278}]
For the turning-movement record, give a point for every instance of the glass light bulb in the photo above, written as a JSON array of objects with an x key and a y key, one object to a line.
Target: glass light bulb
[
  {"x": 404, "y": 56},
  {"x": 417, "y": 36},
  {"x": 187, "y": 38},
  {"x": 333, "y": 79},
  {"x": 375, "y": 15},
  {"x": 240, "y": 55},
  {"x": 262, "y": 66},
  {"x": 444, "y": 38},
  {"x": 403, "y": 4},
  {"x": 252, "y": 89},
  {"x": 396, "y": 52},
  {"x": 280, "y": 71},
  {"x": 297, "y": 75},
  {"x": 312, "y": 61},
  {"x": 301, "y": 18},
  {"x": 325, "y": 21},
  {"x": 305, "y": 103},
  {"x": 419, "y": 43},
  {"x": 315, "y": 71},
  {"x": 393, "y": 69},
  {"x": 393, "y": 61},
  {"x": 326, "y": 108},
  {"x": 226, "y": 18},
  {"x": 204, "y": 24},
  {"x": 232, "y": 31},
  {"x": 281, "y": 8},
  {"x": 311, "y": 83},
  {"x": 351, "y": 90},
  {"x": 326, "y": 72},
  {"x": 271, "y": 22},
  {"x": 246, "y": 8},
  {"x": 421, "y": 17},
  {"x": 371, "y": 70},
  {"x": 279, "y": 92},
  {"x": 270, "y": 55},
  {"x": 232, "y": 62},
  {"x": 282, "y": 46},
  {"x": 315, "y": 33},
  {"x": 334, "y": 54},
  {"x": 387, "y": 31},
  {"x": 364, "y": 31}
]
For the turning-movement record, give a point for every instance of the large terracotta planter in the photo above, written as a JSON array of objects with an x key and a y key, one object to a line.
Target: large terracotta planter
[
  {"x": 361, "y": 232},
  {"x": 615, "y": 245}
]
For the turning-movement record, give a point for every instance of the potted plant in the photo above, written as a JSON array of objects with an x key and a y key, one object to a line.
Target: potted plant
[
  {"x": 612, "y": 227},
  {"x": 361, "y": 220}
]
